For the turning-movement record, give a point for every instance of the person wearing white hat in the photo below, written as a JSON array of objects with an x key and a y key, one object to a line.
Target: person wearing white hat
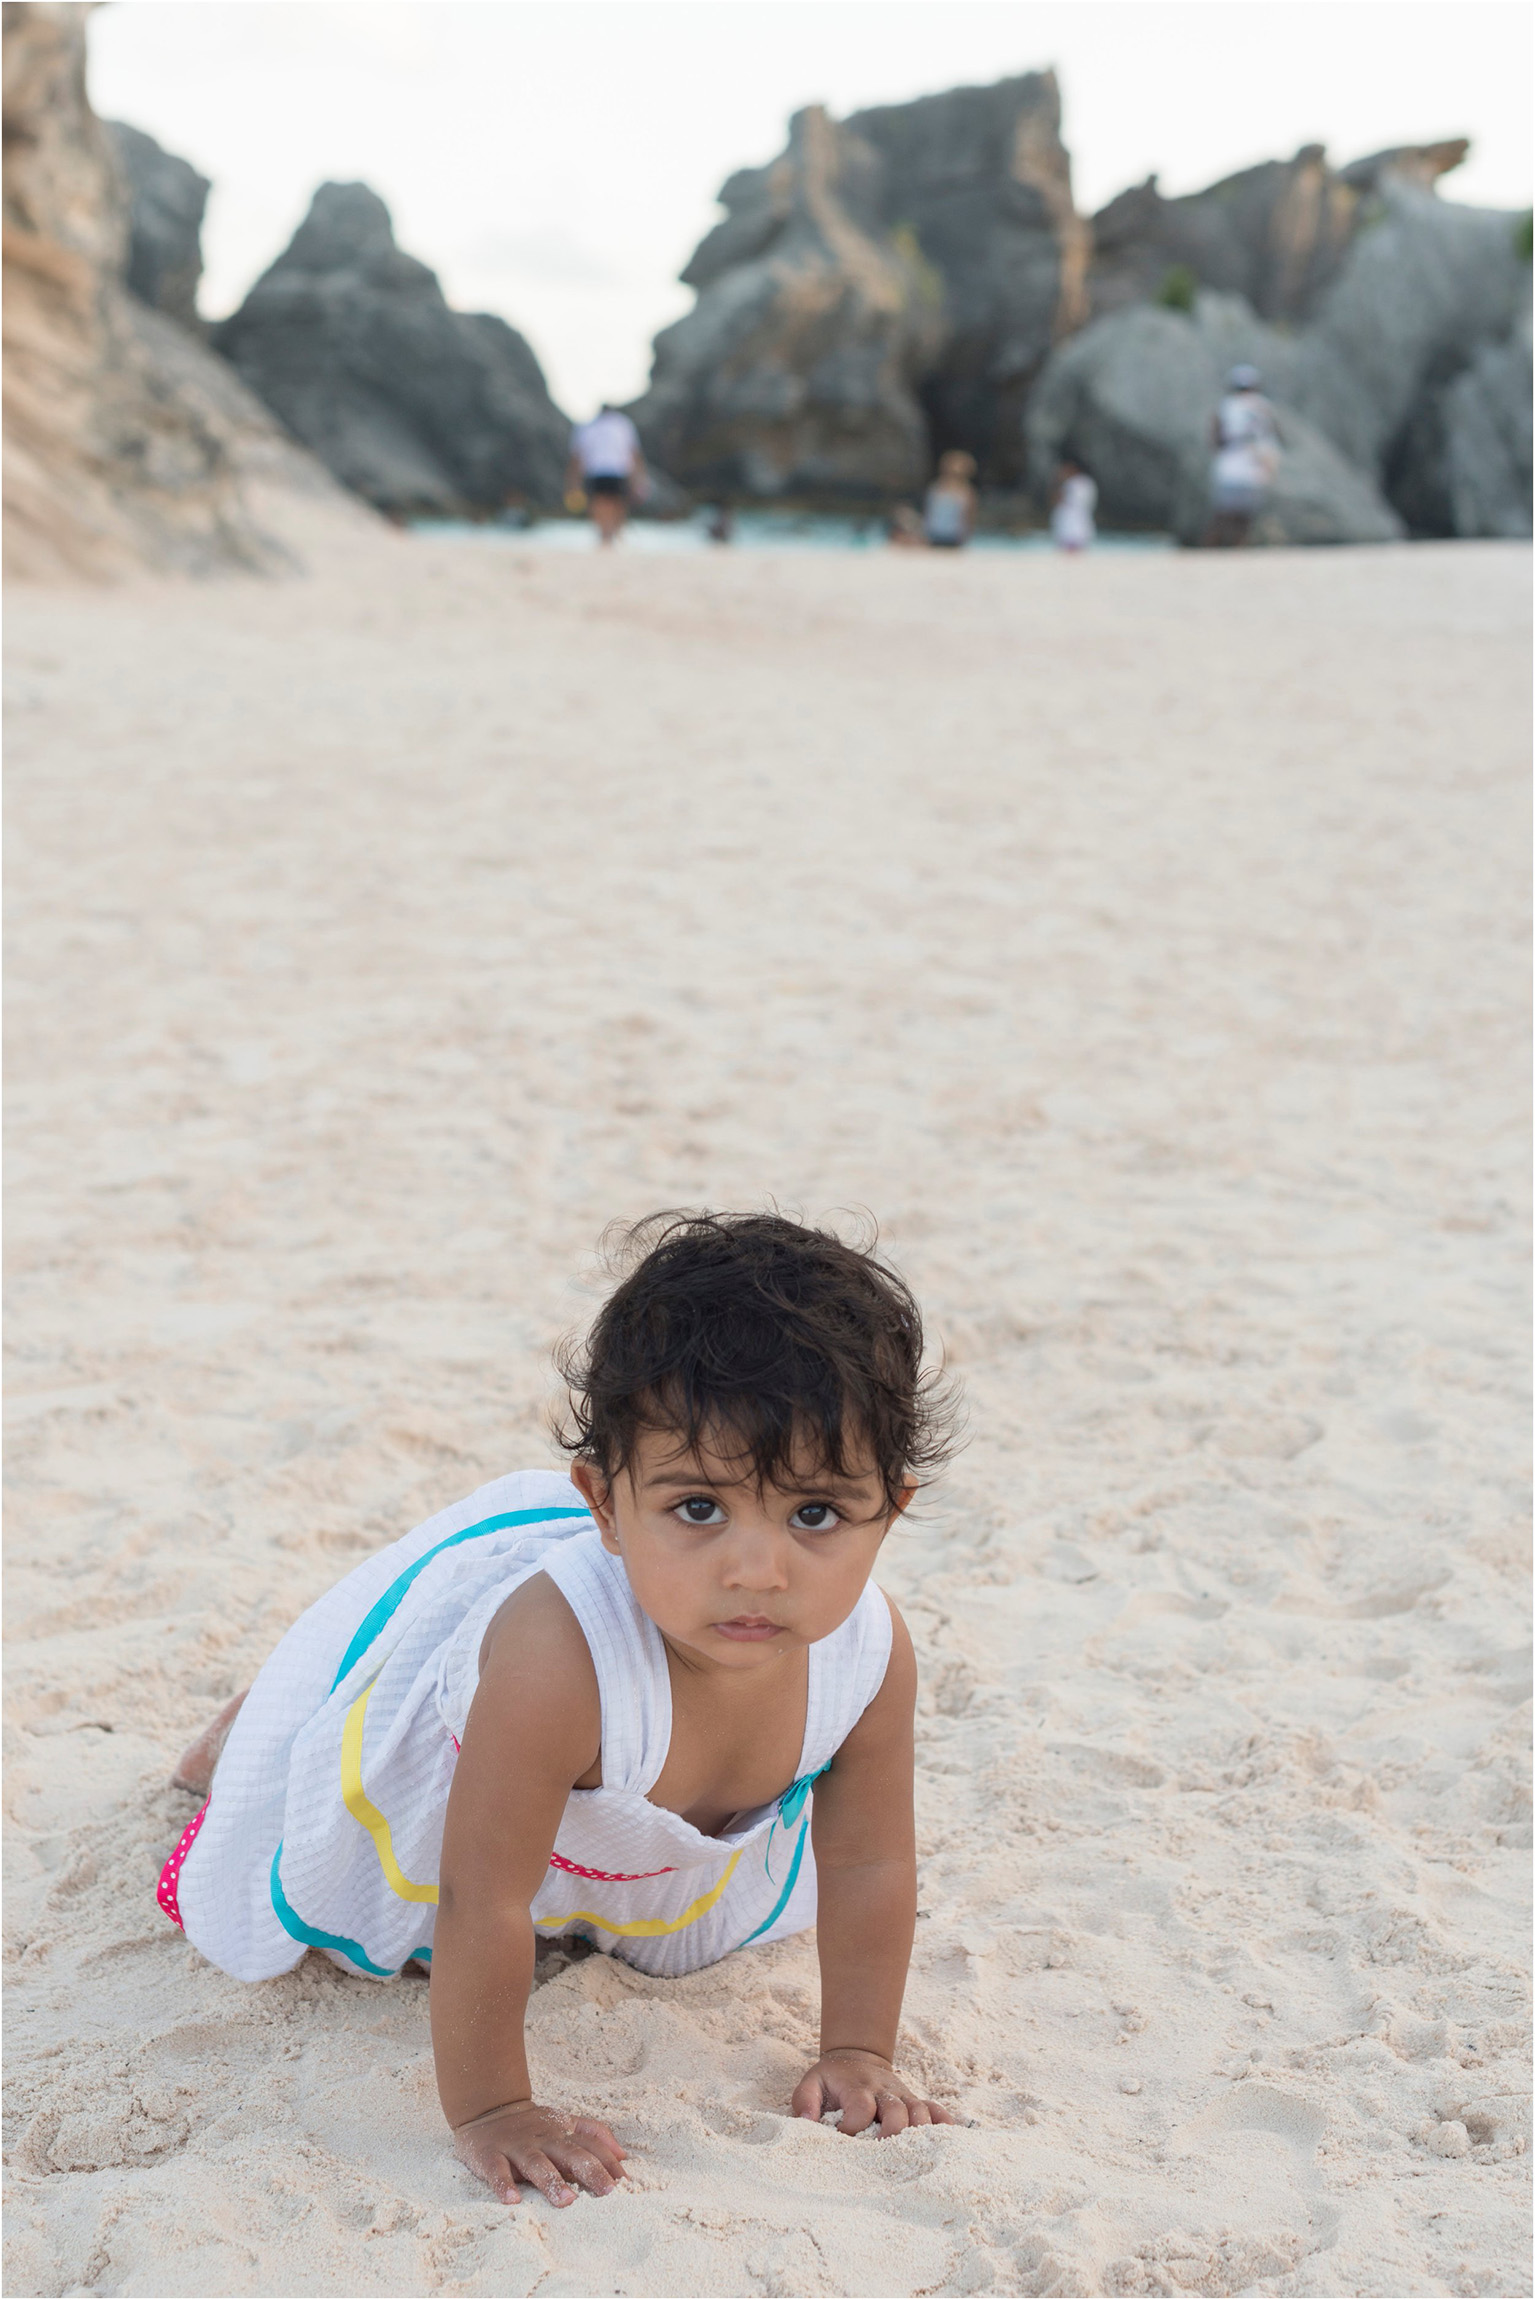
[{"x": 1245, "y": 436}]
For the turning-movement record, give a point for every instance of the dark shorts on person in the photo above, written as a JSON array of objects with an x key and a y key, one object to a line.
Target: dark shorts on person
[{"x": 608, "y": 483}]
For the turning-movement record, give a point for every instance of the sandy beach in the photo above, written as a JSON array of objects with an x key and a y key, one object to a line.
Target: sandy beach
[{"x": 1142, "y": 940}]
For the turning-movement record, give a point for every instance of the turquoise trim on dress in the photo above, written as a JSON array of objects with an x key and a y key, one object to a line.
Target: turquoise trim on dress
[
  {"x": 790, "y": 1806},
  {"x": 783, "y": 1899},
  {"x": 313, "y": 1938},
  {"x": 368, "y": 1629},
  {"x": 373, "y": 1620},
  {"x": 792, "y": 1803}
]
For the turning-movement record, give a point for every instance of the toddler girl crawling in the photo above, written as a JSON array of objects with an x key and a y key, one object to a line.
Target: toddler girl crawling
[{"x": 659, "y": 1704}]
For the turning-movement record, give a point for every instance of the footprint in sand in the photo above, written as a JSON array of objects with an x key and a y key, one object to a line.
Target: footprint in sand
[{"x": 1274, "y": 2188}]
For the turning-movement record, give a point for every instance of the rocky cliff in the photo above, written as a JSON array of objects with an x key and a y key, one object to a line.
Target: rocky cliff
[
  {"x": 421, "y": 409},
  {"x": 1400, "y": 369},
  {"x": 888, "y": 287},
  {"x": 980, "y": 181},
  {"x": 1132, "y": 398},
  {"x": 916, "y": 278},
  {"x": 1276, "y": 235},
  {"x": 127, "y": 444},
  {"x": 166, "y": 200}
]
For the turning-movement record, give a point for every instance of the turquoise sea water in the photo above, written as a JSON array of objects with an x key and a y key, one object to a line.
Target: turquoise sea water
[{"x": 754, "y": 531}]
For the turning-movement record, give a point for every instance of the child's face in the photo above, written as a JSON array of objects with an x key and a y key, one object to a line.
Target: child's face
[{"x": 735, "y": 1576}]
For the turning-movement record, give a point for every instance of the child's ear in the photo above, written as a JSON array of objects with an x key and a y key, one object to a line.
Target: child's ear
[
  {"x": 906, "y": 1494},
  {"x": 597, "y": 1494}
]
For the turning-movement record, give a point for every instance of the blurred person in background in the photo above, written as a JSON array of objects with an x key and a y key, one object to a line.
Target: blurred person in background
[
  {"x": 606, "y": 471},
  {"x": 1072, "y": 526},
  {"x": 948, "y": 511},
  {"x": 1245, "y": 436}
]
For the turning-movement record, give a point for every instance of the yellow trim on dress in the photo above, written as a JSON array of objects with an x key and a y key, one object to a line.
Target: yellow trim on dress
[
  {"x": 362, "y": 1809},
  {"x": 647, "y": 1928}
]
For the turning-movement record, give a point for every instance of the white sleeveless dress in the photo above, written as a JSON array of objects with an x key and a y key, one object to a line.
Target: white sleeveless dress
[{"x": 324, "y": 1826}]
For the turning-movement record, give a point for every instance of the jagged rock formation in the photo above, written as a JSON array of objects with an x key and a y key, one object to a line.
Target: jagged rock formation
[
  {"x": 421, "y": 409},
  {"x": 888, "y": 287},
  {"x": 126, "y": 443},
  {"x": 166, "y": 200},
  {"x": 1461, "y": 464},
  {"x": 1405, "y": 372},
  {"x": 980, "y": 181},
  {"x": 916, "y": 278},
  {"x": 1276, "y": 235},
  {"x": 1486, "y": 436},
  {"x": 1132, "y": 397},
  {"x": 1429, "y": 286},
  {"x": 796, "y": 371}
]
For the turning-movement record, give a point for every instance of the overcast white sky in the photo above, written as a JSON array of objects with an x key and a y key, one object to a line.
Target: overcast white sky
[{"x": 557, "y": 160}]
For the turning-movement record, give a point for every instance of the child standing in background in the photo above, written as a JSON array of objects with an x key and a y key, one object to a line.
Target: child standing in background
[{"x": 1072, "y": 524}]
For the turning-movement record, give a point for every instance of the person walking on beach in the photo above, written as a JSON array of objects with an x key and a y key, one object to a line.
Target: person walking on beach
[
  {"x": 1072, "y": 526},
  {"x": 1245, "y": 436},
  {"x": 948, "y": 512},
  {"x": 607, "y": 469}
]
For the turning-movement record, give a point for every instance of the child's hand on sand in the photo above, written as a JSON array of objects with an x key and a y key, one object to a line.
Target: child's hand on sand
[
  {"x": 523, "y": 2141},
  {"x": 866, "y": 2088}
]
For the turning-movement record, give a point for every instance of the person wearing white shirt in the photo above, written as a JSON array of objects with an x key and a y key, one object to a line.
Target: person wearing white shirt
[
  {"x": 607, "y": 469},
  {"x": 1245, "y": 436},
  {"x": 1072, "y": 525}
]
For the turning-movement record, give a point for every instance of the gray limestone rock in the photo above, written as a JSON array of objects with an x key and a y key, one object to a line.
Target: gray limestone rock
[
  {"x": 1487, "y": 440},
  {"x": 1460, "y": 465},
  {"x": 887, "y": 288},
  {"x": 423, "y": 410},
  {"x": 1277, "y": 235},
  {"x": 1133, "y": 396},
  {"x": 166, "y": 199},
  {"x": 916, "y": 278},
  {"x": 1130, "y": 398},
  {"x": 1426, "y": 286},
  {"x": 1412, "y": 341},
  {"x": 794, "y": 373},
  {"x": 976, "y": 185},
  {"x": 1380, "y": 294}
]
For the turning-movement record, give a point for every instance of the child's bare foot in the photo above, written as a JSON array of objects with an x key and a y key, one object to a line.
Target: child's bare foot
[{"x": 194, "y": 1769}]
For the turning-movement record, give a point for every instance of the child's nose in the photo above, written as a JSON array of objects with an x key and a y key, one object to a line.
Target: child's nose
[{"x": 758, "y": 1558}]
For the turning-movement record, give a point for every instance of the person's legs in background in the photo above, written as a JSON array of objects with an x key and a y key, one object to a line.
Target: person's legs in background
[{"x": 609, "y": 499}]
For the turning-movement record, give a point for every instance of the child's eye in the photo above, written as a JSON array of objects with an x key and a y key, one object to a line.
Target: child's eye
[
  {"x": 700, "y": 1509},
  {"x": 815, "y": 1517}
]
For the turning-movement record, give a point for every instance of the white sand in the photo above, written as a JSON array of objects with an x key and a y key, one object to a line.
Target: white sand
[{"x": 1141, "y": 940}]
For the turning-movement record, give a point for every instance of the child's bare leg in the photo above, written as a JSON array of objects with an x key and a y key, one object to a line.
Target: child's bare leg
[{"x": 194, "y": 1769}]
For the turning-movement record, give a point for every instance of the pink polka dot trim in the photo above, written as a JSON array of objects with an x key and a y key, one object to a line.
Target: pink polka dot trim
[
  {"x": 606, "y": 1876},
  {"x": 165, "y": 1892}
]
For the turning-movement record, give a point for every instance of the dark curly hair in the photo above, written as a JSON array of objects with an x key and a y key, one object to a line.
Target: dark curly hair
[{"x": 763, "y": 1337}]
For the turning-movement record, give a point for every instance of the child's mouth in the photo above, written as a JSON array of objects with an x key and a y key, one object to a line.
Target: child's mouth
[{"x": 748, "y": 1628}]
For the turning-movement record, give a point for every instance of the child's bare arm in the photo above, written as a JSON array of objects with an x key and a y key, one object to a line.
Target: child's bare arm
[
  {"x": 866, "y": 1868},
  {"x": 534, "y": 1728}
]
